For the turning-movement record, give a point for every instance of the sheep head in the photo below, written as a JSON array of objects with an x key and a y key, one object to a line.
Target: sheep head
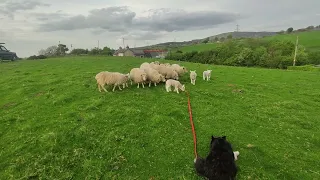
[
  {"x": 144, "y": 76},
  {"x": 182, "y": 88}
]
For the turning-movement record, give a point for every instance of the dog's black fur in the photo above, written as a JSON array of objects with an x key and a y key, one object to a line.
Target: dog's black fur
[{"x": 219, "y": 164}]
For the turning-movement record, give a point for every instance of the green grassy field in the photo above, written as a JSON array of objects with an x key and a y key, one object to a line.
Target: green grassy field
[
  {"x": 310, "y": 40},
  {"x": 198, "y": 47},
  {"x": 55, "y": 124}
]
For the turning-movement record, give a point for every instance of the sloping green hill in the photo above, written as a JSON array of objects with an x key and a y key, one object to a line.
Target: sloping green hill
[
  {"x": 310, "y": 40},
  {"x": 55, "y": 124}
]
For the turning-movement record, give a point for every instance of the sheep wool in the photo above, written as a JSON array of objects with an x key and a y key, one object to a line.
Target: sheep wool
[
  {"x": 179, "y": 69},
  {"x": 154, "y": 77},
  {"x": 138, "y": 76},
  {"x": 145, "y": 65},
  {"x": 174, "y": 83},
  {"x": 168, "y": 72}
]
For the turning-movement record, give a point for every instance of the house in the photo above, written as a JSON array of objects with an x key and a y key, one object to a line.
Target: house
[
  {"x": 119, "y": 52},
  {"x": 155, "y": 53},
  {"x": 133, "y": 52}
]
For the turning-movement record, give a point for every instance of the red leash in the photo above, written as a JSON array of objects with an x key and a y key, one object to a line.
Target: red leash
[{"x": 192, "y": 126}]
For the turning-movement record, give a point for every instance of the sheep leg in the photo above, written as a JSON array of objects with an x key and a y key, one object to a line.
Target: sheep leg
[
  {"x": 155, "y": 84},
  {"x": 99, "y": 88},
  {"x": 204, "y": 77},
  {"x": 167, "y": 88},
  {"x": 119, "y": 88},
  {"x": 142, "y": 85},
  {"x": 176, "y": 89},
  {"x": 104, "y": 89},
  {"x": 127, "y": 84},
  {"x": 131, "y": 82},
  {"x": 149, "y": 83},
  {"x": 138, "y": 85},
  {"x": 114, "y": 87}
]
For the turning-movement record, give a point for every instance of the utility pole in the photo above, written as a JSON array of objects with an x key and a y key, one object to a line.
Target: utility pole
[
  {"x": 98, "y": 47},
  {"x": 237, "y": 29},
  {"x": 295, "y": 52}
]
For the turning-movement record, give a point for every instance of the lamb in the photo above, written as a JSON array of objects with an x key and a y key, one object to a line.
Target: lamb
[
  {"x": 206, "y": 74},
  {"x": 168, "y": 72},
  {"x": 193, "y": 77},
  {"x": 153, "y": 76},
  {"x": 110, "y": 78},
  {"x": 180, "y": 69},
  {"x": 176, "y": 84},
  {"x": 138, "y": 76}
]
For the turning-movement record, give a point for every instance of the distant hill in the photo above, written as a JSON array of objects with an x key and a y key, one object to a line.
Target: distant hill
[
  {"x": 261, "y": 34},
  {"x": 170, "y": 45},
  {"x": 309, "y": 39},
  {"x": 243, "y": 35}
]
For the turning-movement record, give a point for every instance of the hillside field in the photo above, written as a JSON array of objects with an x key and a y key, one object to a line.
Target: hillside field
[
  {"x": 310, "y": 40},
  {"x": 55, "y": 124}
]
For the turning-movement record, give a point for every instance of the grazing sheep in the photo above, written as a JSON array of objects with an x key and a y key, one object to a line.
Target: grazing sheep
[
  {"x": 154, "y": 77},
  {"x": 145, "y": 65},
  {"x": 176, "y": 84},
  {"x": 125, "y": 84},
  {"x": 168, "y": 72},
  {"x": 138, "y": 76},
  {"x": 206, "y": 74},
  {"x": 180, "y": 69},
  {"x": 154, "y": 66},
  {"x": 110, "y": 78},
  {"x": 193, "y": 77}
]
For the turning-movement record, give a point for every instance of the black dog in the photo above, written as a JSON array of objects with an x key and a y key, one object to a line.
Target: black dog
[{"x": 220, "y": 163}]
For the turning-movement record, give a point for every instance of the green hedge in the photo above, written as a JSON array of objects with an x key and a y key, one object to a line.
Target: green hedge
[
  {"x": 304, "y": 68},
  {"x": 250, "y": 52}
]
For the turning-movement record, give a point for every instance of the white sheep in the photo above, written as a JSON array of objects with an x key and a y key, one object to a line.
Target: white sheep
[
  {"x": 193, "y": 77},
  {"x": 206, "y": 74},
  {"x": 168, "y": 72},
  {"x": 174, "y": 83},
  {"x": 155, "y": 66},
  {"x": 125, "y": 84},
  {"x": 153, "y": 76},
  {"x": 145, "y": 65},
  {"x": 180, "y": 69},
  {"x": 138, "y": 76},
  {"x": 110, "y": 78}
]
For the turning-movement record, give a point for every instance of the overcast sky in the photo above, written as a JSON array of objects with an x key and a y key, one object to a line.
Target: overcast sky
[{"x": 29, "y": 25}]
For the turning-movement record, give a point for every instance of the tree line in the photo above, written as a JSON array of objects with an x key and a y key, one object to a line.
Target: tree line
[
  {"x": 62, "y": 50},
  {"x": 250, "y": 52}
]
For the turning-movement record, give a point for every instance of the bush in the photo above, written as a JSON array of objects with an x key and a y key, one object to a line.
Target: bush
[
  {"x": 37, "y": 57},
  {"x": 251, "y": 52}
]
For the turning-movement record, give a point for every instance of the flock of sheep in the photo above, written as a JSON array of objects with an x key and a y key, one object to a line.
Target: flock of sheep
[{"x": 153, "y": 72}]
